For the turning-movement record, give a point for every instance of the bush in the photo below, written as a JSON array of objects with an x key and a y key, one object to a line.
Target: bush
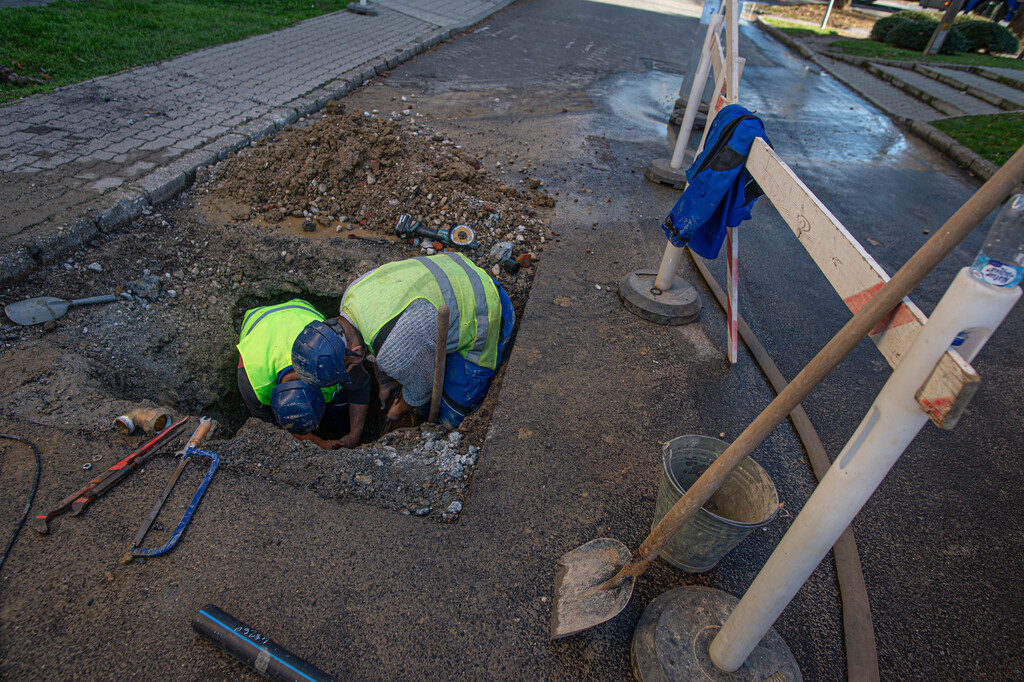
[
  {"x": 986, "y": 35},
  {"x": 910, "y": 35},
  {"x": 880, "y": 31},
  {"x": 911, "y": 30}
]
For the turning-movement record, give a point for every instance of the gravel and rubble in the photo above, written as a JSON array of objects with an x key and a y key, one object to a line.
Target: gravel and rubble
[
  {"x": 421, "y": 471},
  {"x": 362, "y": 170}
]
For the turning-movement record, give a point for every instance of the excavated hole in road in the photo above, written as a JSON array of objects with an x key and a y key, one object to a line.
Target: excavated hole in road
[{"x": 194, "y": 265}]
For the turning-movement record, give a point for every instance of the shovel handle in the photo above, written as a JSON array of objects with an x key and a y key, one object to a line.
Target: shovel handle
[
  {"x": 107, "y": 298},
  {"x": 983, "y": 202},
  {"x": 440, "y": 356}
]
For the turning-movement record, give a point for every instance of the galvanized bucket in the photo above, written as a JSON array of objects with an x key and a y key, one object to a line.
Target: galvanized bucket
[{"x": 746, "y": 501}]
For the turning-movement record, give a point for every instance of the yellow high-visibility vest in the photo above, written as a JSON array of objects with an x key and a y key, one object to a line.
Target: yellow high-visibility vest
[
  {"x": 474, "y": 325},
  {"x": 265, "y": 343}
]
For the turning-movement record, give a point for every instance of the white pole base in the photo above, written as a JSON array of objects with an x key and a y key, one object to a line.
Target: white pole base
[{"x": 662, "y": 172}]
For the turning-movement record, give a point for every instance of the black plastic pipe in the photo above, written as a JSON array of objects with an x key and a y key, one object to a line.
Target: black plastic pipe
[{"x": 251, "y": 647}]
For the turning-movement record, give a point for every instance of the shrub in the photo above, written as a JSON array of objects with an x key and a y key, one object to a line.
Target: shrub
[
  {"x": 910, "y": 35},
  {"x": 880, "y": 31},
  {"x": 911, "y": 30},
  {"x": 986, "y": 35}
]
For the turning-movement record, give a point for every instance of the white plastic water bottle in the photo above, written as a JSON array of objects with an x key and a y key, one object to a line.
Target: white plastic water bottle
[{"x": 1000, "y": 262}]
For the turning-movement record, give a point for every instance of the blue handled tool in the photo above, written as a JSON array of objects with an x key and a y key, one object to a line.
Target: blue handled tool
[{"x": 191, "y": 449}]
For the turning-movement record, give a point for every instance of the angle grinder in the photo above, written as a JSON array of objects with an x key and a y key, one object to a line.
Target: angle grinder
[{"x": 460, "y": 235}]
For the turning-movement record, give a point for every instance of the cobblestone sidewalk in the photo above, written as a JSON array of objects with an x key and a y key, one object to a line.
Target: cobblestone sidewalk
[{"x": 90, "y": 156}]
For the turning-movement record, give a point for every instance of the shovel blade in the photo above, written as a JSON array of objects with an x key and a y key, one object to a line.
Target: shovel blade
[
  {"x": 36, "y": 310},
  {"x": 576, "y": 604}
]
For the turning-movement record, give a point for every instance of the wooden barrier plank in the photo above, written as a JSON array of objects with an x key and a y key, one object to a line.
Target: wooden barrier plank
[{"x": 856, "y": 277}]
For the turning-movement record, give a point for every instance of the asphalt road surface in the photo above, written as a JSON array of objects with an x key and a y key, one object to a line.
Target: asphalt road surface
[{"x": 578, "y": 93}]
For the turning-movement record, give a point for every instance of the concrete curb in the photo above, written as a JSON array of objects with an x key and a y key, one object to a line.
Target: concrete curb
[
  {"x": 989, "y": 97},
  {"x": 969, "y": 160},
  {"x": 167, "y": 182},
  {"x": 931, "y": 100},
  {"x": 997, "y": 77}
]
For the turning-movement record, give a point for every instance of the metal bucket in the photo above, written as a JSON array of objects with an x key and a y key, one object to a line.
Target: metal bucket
[{"x": 746, "y": 501}]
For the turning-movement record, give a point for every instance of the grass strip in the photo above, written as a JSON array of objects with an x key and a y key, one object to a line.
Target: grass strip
[
  {"x": 995, "y": 137},
  {"x": 797, "y": 28},
  {"x": 69, "y": 42},
  {"x": 872, "y": 49}
]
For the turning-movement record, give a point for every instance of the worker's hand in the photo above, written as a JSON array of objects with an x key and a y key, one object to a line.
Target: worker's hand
[
  {"x": 348, "y": 441},
  {"x": 321, "y": 442},
  {"x": 398, "y": 409},
  {"x": 387, "y": 389}
]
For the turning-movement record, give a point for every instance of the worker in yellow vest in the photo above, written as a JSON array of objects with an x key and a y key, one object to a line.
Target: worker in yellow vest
[
  {"x": 394, "y": 309},
  {"x": 330, "y": 416}
]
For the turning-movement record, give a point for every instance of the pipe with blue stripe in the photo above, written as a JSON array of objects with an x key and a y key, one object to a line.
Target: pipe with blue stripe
[{"x": 254, "y": 649}]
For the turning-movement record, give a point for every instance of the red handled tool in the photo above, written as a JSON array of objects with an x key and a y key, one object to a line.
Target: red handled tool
[{"x": 104, "y": 482}]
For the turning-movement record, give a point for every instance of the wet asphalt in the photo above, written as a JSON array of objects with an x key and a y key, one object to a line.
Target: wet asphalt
[{"x": 582, "y": 90}]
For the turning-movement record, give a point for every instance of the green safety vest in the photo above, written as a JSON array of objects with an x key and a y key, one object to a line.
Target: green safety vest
[
  {"x": 266, "y": 342},
  {"x": 474, "y": 323}
]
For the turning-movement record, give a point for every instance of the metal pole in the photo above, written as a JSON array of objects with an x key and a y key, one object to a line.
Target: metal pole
[
  {"x": 828, "y": 11},
  {"x": 889, "y": 427},
  {"x": 693, "y": 103},
  {"x": 942, "y": 30}
]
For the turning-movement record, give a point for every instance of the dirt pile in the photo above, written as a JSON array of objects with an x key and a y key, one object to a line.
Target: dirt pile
[
  {"x": 418, "y": 471},
  {"x": 362, "y": 171}
]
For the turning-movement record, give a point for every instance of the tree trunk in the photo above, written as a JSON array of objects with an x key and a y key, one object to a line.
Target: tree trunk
[
  {"x": 1017, "y": 25},
  {"x": 841, "y": 5}
]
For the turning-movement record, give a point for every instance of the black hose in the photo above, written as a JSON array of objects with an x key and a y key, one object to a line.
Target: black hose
[
  {"x": 257, "y": 651},
  {"x": 31, "y": 497}
]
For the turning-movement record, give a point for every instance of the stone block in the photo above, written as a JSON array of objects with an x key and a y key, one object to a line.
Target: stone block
[
  {"x": 163, "y": 183},
  {"x": 127, "y": 209},
  {"x": 256, "y": 128},
  {"x": 284, "y": 117},
  {"x": 223, "y": 146}
]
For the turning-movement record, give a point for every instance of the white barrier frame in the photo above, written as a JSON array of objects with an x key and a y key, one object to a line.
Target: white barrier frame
[{"x": 930, "y": 381}]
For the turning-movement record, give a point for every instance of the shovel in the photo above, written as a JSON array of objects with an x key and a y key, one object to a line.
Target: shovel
[
  {"x": 593, "y": 583},
  {"x": 46, "y": 308}
]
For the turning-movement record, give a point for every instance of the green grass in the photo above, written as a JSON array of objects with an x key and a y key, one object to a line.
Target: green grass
[
  {"x": 68, "y": 42},
  {"x": 995, "y": 137},
  {"x": 796, "y": 29},
  {"x": 873, "y": 49}
]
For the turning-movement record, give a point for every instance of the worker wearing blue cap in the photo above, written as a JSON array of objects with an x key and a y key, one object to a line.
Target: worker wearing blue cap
[{"x": 331, "y": 416}]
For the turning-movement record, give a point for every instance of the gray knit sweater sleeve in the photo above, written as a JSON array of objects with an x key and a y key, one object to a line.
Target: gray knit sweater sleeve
[{"x": 407, "y": 355}]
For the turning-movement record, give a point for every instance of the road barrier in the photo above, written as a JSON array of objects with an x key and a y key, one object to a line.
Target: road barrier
[{"x": 931, "y": 380}]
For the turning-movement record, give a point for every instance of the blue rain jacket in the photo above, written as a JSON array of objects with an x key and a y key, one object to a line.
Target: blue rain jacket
[{"x": 720, "y": 192}]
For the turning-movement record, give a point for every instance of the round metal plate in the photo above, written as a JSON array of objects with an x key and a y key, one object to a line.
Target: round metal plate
[
  {"x": 676, "y": 305},
  {"x": 688, "y": 619},
  {"x": 662, "y": 172}
]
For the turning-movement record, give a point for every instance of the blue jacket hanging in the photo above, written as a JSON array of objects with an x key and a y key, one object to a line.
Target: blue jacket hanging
[{"x": 720, "y": 192}]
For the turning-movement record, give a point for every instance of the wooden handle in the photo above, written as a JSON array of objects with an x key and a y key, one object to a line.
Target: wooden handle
[
  {"x": 440, "y": 356},
  {"x": 984, "y": 201},
  {"x": 202, "y": 431}
]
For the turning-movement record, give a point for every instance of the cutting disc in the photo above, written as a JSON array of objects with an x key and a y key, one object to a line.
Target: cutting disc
[{"x": 462, "y": 235}]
